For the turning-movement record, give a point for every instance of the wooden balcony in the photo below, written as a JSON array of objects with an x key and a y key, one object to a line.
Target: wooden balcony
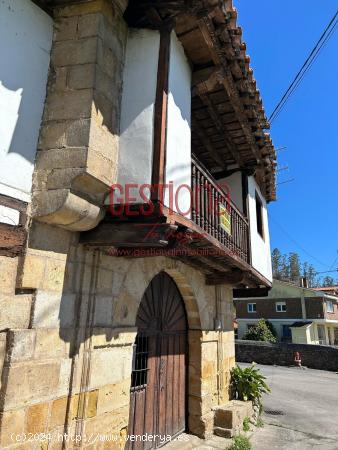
[
  {"x": 215, "y": 213},
  {"x": 214, "y": 239}
]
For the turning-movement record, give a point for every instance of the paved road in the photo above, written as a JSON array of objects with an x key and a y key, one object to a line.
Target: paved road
[{"x": 301, "y": 412}]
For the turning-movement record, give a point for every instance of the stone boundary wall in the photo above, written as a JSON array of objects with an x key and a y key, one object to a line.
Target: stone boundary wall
[{"x": 320, "y": 357}]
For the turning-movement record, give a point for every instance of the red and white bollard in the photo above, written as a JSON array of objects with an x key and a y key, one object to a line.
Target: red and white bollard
[{"x": 297, "y": 359}]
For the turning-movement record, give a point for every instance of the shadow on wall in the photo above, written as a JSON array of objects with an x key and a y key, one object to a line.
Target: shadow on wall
[
  {"x": 91, "y": 336},
  {"x": 81, "y": 302},
  {"x": 25, "y": 43},
  {"x": 10, "y": 101}
]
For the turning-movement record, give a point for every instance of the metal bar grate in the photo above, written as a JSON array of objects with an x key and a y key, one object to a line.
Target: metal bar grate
[{"x": 140, "y": 362}]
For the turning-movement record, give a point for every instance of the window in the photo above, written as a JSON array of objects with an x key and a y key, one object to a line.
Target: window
[
  {"x": 329, "y": 306},
  {"x": 251, "y": 307},
  {"x": 281, "y": 307},
  {"x": 140, "y": 362},
  {"x": 259, "y": 216}
]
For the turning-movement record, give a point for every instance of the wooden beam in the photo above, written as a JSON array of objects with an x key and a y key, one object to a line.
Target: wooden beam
[
  {"x": 251, "y": 292},
  {"x": 160, "y": 119},
  {"x": 128, "y": 234},
  {"x": 12, "y": 239},
  {"x": 207, "y": 144},
  {"x": 207, "y": 78},
  {"x": 210, "y": 36},
  {"x": 235, "y": 277},
  {"x": 218, "y": 266},
  {"x": 195, "y": 264},
  {"x": 219, "y": 125}
]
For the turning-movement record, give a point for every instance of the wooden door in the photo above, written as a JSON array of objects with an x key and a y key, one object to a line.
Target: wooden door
[{"x": 157, "y": 395}]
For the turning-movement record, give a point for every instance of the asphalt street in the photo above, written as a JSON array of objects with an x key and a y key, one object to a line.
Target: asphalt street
[{"x": 301, "y": 412}]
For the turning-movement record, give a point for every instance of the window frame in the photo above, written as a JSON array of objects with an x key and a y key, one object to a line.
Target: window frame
[
  {"x": 254, "y": 310},
  {"x": 331, "y": 310},
  {"x": 259, "y": 216},
  {"x": 281, "y": 304}
]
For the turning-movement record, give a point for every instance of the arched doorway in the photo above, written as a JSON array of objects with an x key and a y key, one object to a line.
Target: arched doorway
[{"x": 158, "y": 384}]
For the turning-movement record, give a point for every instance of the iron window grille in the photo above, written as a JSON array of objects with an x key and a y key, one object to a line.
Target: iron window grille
[{"x": 140, "y": 362}]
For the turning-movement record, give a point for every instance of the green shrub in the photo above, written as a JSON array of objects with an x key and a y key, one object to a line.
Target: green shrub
[
  {"x": 271, "y": 328},
  {"x": 260, "y": 332},
  {"x": 248, "y": 384},
  {"x": 246, "y": 424},
  {"x": 241, "y": 443},
  {"x": 259, "y": 423}
]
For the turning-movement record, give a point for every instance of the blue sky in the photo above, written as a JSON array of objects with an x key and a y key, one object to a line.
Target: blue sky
[{"x": 279, "y": 36}]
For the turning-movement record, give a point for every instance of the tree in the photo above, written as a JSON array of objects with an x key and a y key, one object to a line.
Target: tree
[
  {"x": 260, "y": 332},
  {"x": 271, "y": 328},
  {"x": 294, "y": 266},
  {"x": 276, "y": 259},
  {"x": 312, "y": 277},
  {"x": 328, "y": 281},
  {"x": 305, "y": 269},
  {"x": 289, "y": 267},
  {"x": 285, "y": 268}
]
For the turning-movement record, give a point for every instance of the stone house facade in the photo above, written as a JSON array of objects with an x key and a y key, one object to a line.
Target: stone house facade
[{"x": 69, "y": 304}]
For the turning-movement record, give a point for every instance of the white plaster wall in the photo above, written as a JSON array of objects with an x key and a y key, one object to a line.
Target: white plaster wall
[
  {"x": 234, "y": 182},
  {"x": 178, "y": 154},
  {"x": 260, "y": 248},
  {"x": 300, "y": 335},
  {"x": 25, "y": 43},
  {"x": 242, "y": 328},
  {"x": 9, "y": 215},
  {"x": 137, "y": 111}
]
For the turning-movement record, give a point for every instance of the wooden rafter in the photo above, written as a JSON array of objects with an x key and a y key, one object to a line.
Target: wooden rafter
[
  {"x": 208, "y": 145},
  {"x": 208, "y": 30},
  {"x": 234, "y": 277},
  {"x": 219, "y": 125}
]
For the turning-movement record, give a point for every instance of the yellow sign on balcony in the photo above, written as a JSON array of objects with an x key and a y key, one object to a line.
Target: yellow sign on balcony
[{"x": 225, "y": 218}]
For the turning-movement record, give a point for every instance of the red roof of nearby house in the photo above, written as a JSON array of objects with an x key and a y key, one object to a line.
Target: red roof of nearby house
[{"x": 327, "y": 288}]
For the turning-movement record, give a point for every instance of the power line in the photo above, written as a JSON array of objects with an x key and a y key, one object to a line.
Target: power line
[
  {"x": 295, "y": 242},
  {"x": 327, "y": 271},
  {"x": 286, "y": 181},
  {"x": 277, "y": 113},
  {"x": 334, "y": 262},
  {"x": 305, "y": 67}
]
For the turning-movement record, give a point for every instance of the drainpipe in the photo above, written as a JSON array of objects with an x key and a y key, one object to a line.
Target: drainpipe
[
  {"x": 304, "y": 285},
  {"x": 223, "y": 322},
  {"x": 302, "y": 299}
]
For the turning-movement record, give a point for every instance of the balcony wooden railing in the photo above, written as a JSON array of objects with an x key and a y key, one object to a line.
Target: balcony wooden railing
[{"x": 213, "y": 211}]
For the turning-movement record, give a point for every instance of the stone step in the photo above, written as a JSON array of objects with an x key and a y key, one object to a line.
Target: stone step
[
  {"x": 190, "y": 442},
  {"x": 185, "y": 442},
  {"x": 226, "y": 433},
  {"x": 228, "y": 419}
]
